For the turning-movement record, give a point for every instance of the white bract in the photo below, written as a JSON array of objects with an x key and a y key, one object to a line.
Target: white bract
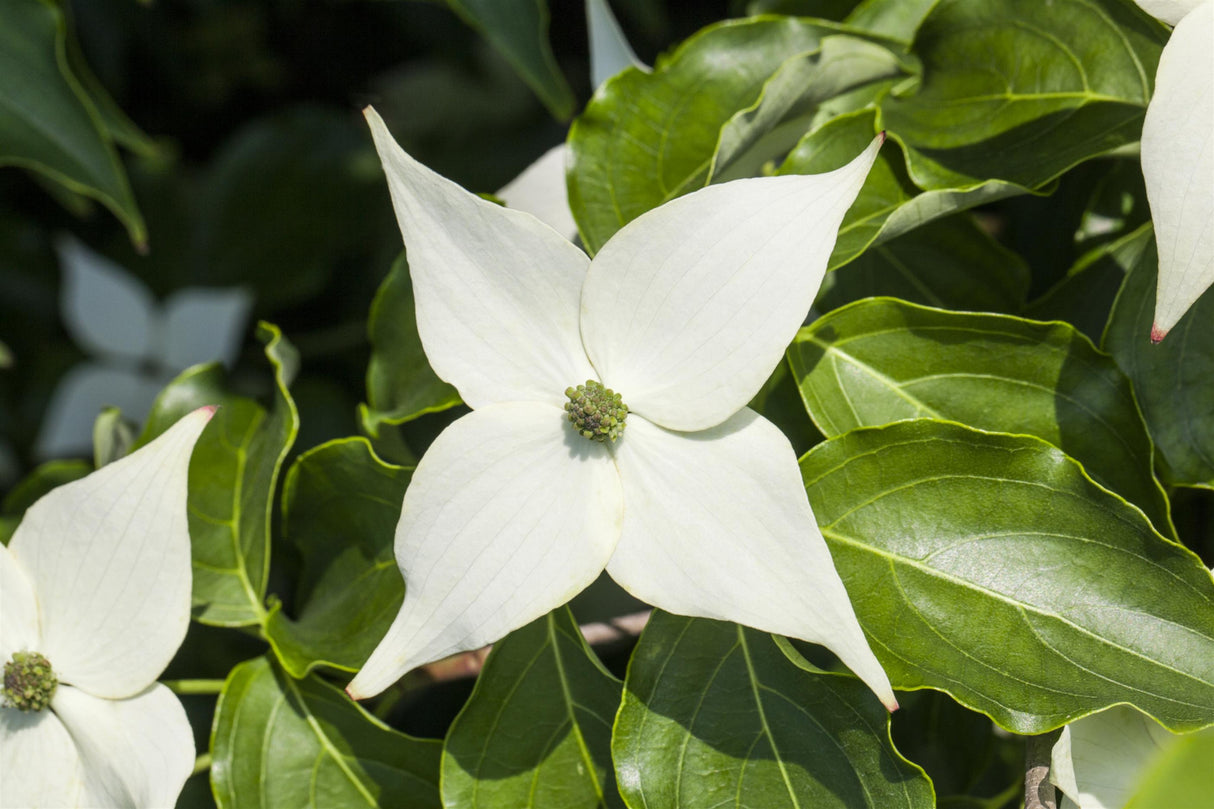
[
  {"x": 96, "y": 580},
  {"x": 698, "y": 508},
  {"x": 1178, "y": 158},
  {"x": 135, "y": 343}
]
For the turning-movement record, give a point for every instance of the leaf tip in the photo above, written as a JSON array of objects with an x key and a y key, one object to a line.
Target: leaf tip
[{"x": 1158, "y": 333}]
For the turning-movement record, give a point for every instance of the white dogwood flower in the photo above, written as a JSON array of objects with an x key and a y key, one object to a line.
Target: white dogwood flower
[
  {"x": 94, "y": 602},
  {"x": 1178, "y": 158},
  {"x": 690, "y": 500}
]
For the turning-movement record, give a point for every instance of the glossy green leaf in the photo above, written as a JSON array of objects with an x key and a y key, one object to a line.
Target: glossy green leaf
[
  {"x": 716, "y": 715},
  {"x": 1056, "y": 88},
  {"x": 278, "y": 742},
  {"x": 519, "y": 31},
  {"x": 897, "y": 19},
  {"x": 232, "y": 477},
  {"x": 400, "y": 383},
  {"x": 991, "y": 567},
  {"x": 1085, "y": 296},
  {"x": 950, "y": 263},
  {"x": 1174, "y": 380},
  {"x": 882, "y": 360},
  {"x": 779, "y": 117},
  {"x": 889, "y": 204},
  {"x": 47, "y": 121},
  {"x": 340, "y": 505},
  {"x": 646, "y": 138},
  {"x": 543, "y": 678}
]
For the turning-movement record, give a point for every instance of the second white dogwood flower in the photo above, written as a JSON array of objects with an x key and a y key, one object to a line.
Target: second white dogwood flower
[{"x": 690, "y": 500}]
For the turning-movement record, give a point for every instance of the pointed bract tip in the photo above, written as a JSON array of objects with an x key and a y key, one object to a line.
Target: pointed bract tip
[
  {"x": 351, "y": 694},
  {"x": 881, "y": 136},
  {"x": 1157, "y": 334},
  {"x": 890, "y": 703},
  {"x": 208, "y": 411}
]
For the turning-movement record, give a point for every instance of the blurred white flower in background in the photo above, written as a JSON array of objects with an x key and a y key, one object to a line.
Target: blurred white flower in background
[{"x": 136, "y": 344}]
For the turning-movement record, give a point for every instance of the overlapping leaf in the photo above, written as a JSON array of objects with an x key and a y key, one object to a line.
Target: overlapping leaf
[
  {"x": 1055, "y": 87},
  {"x": 48, "y": 122},
  {"x": 950, "y": 263},
  {"x": 340, "y": 505},
  {"x": 400, "y": 383},
  {"x": 277, "y": 741},
  {"x": 1085, "y": 296},
  {"x": 232, "y": 476},
  {"x": 1174, "y": 380},
  {"x": 882, "y": 360},
  {"x": 649, "y": 137},
  {"x": 991, "y": 567},
  {"x": 543, "y": 678},
  {"x": 717, "y": 715},
  {"x": 889, "y": 204}
]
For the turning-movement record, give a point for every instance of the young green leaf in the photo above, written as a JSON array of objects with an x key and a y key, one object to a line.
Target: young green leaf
[{"x": 341, "y": 505}]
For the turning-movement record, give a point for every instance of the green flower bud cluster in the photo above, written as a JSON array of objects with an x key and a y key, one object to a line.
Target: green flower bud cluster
[
  {"x": 29, "y": 682},
  {"x": 596, "y": 412}
]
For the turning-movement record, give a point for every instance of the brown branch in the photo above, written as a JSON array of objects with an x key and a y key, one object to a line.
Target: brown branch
[
  {"x": 1038, "y": 791},
  {"x": 601, "y": 636}
]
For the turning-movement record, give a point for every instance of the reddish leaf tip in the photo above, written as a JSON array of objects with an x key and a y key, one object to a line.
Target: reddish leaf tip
[
  {"x": 881, "y": 135},
  {"x": 1157, "y": 334}
]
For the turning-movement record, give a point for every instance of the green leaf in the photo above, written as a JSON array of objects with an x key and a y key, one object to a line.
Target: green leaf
[
  {"x": 958, "y": 749},
  {"x": 950, "y": 263},
  {"x": 889, "y": 204},
  {"x": 646, "y": 138},
  {"x": 340, "y": 505},
  {"x": 1174, "y": 380},
  {"x": 1055, "y": 89},
  {"x": 290, "y": 200},
  {"x": 896, "y": 19},
  {"x": 1085, "y": 296},
  {"x": 39, "y": 482},
  {"x": 47, "y": 121},
  {"x": 112, "y": 436},
  {"x": 542, "y": 678},
  {"x": 519, "y": 31},
  {"x": 991, "y": 567},
  {"x": 715, "y": 714},
  {"x": 400, "y": 383},
  {"x": 6, "y": 357},
  {"x": 281, "y": 742},
  {"x": 882, "y": 360},
  {"x": 232, "y": 477}
]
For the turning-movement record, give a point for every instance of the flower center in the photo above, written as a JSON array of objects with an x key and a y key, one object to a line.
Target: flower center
[
  {"x": 596, "y": 412},
  {"x": 29, "y": 682}
]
